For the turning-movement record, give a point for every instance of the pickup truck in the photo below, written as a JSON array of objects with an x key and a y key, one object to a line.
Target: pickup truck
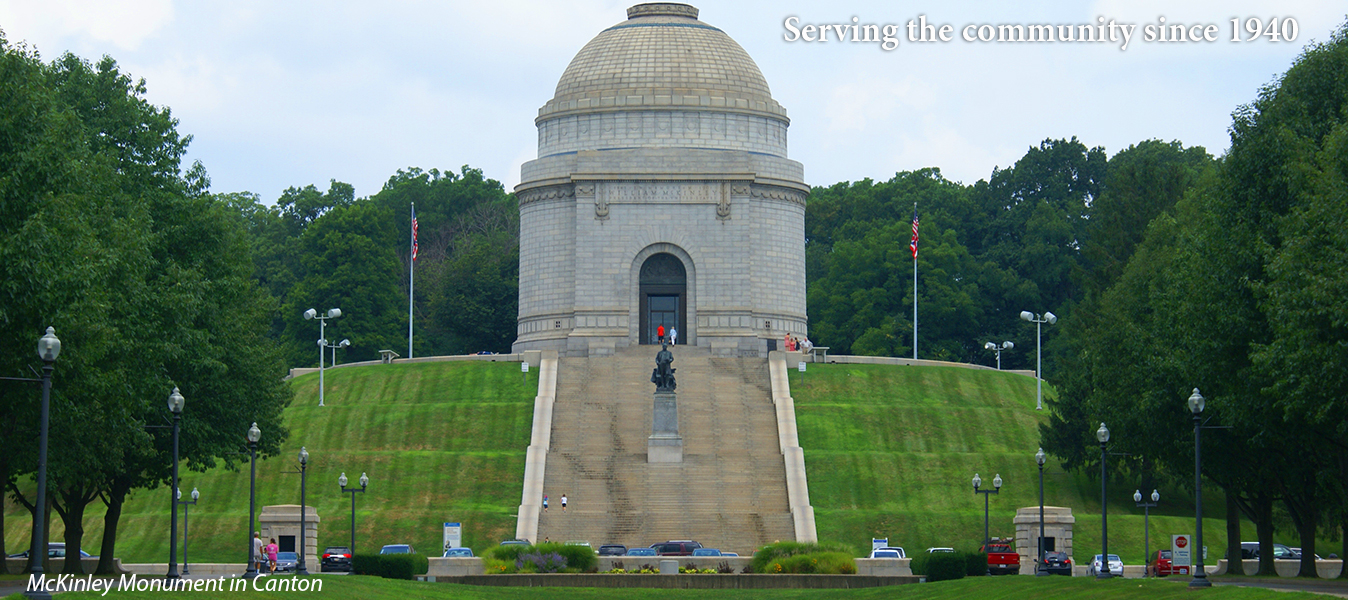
[{"x": 1002, "y": 556}]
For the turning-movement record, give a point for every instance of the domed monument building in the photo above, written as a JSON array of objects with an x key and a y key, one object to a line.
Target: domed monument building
[{"x": 662, "y": 195}]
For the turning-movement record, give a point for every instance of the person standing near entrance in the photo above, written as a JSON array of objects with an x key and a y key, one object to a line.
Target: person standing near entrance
[
  {"x": 673, "y": 336},
  {"x": 257, "y": 551},
  {"x": 272, "y": 549},
  {"x": 660, "y": 334}
]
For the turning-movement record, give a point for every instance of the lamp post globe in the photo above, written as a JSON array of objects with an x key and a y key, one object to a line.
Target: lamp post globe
[
  {"x": 1038, "y": 321},
  {"x": 1146, "y": 524},
  {"x": 254, "y": 436},
  {"x": 48, "y": 348},
  {"x": 364, "y": 482},
  {"x": 996, "y": 488}
]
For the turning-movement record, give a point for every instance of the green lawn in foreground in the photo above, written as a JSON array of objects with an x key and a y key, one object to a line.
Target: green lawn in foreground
[
  {"x": 890, "y": 452},
  {"x": 983, "y": 588},
  {"x": 442, "y": 441}
]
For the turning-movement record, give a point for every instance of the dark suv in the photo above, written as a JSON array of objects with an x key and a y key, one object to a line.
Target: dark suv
[
  {"x": 336, "y": 558},
  {"x": 612, "y": 550},
  {"x": 1249, "y": 550},
  {"x": 676, "y": 548}
]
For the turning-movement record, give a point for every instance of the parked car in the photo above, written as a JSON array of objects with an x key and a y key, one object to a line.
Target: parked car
[
  {"x": 730, "y": 554},
  {"x": 397, "y": 549},
  {"x": 336, "y": 558},
  {"x": 1002, "y": 557},
  {"x": 612, "y": 550},
  {"x": 1115, "y": 566},
  {"x": 1058, "y": 563},
  {"x": 458, "y": 553},
  {"x": 1297, "y": 553},
  {"x": 1250, "y": 550},
  {"x": 887, "y": 553},
  {"x": 54, "y": 550},
  {"x": 578, "y": 543},
  {"x": 935, "y": 550},
  {"x": 641, "y": 552},
  {"x": 515, "y": 543},
  {"x": 706, "y": 552},
  {"x": 676, "y": 548},
  {"x": 287, "y": 562},
  {"x": 1161, "y": 565}
]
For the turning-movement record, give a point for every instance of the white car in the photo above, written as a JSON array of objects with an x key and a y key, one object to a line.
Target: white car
[
  {"x": 935, "y": 550},
  {"x": 888, "y": 552},
  {"x": 1115, "y": 566}
]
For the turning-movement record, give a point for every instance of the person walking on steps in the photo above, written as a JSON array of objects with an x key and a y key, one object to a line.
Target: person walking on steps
[
  {"x": 545, "y": 503},
  {"x": 660, "y": 334},
  {"x": 563, "y": 502}
]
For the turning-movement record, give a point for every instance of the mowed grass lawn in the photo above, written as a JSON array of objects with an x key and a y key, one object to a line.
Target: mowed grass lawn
[
  {"x": 982, "y": 588},
  {"x": 890, "y": 451},
  {"x": 441, "y": 441}
]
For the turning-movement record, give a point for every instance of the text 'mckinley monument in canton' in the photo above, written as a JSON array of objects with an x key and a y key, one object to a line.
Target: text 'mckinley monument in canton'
[{"x": 662, "y": 195}]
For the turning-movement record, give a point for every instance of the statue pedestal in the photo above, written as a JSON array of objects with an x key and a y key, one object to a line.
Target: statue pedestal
[{"x": 665, "y": 444}]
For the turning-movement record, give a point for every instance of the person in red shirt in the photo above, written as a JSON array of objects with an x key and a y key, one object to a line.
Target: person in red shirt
[{"x": 660, "y": 333}]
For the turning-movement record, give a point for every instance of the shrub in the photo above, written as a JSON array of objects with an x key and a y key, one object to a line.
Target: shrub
[
  {"x": 945, "y": 566},
  {"x": 508, "y": 552},
  {"x": 390, "y": 566},
  {"x": 765, "y": 557},
  {"x": 919, "y": 563},
  {"x": 536, "y": 562},
  {"x": 492, "y": 566},
  {"x": 975, "y": 563},
  {"x": 829, "y": 563},
  {"x": 581, "y": 559}
]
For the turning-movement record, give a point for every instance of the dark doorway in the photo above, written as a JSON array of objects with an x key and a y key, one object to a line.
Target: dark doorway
[
  {"x": 287, "y": 543},
  {"x": 664, "y": 298}
]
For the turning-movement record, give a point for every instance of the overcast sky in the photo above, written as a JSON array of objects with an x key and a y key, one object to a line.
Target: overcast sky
[{"x": 280, "y": 94}]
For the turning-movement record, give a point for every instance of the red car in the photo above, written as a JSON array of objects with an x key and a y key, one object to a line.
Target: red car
[{"x": 1159, "y": 565}]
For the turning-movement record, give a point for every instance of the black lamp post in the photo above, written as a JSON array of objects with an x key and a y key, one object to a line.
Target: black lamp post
[
  {"x": 304, "y": 533},
  {"x": 1146, "y": 522},
  {"x": 1041, "y": 569},
  {"x": 1102, "y": 434},
  {"x": 254, "y": 434},
  {"x": 364, "y": 481},
  {"x": 186, "y": 503},
  {"x": 48, "y": 347},
  {"x": 1196, "y": 404},
  {"x": 996, "y": 488},
  {"x": 175, "y": 405}
]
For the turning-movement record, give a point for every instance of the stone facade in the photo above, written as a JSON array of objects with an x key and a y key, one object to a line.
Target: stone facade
[{"x": 663, "y": 138}]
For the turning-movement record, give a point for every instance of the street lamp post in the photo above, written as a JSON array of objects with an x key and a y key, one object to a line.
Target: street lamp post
[
  {"x": 186, "y": 503},
  {"x": 175, "y": 405},
  {"x": 254, "y": 434},
  {"x": 304, "y": 533},
  {"x": 364, "y": 481},
  {"x": 996, "y": 488},
  {"x": 48, "y": 348},
  {"x": 998, "y": 350},
  {"x": 1039, "y": 321},
  {"x": 1196, "y": 404},
  {"x": 1146, "y": 522},
  {"x": 1102, "y": 434},
  {"x": 333, "y": 313},
  {"x": 342, "y": 344},
  {"x": 1041, "y": 568}
]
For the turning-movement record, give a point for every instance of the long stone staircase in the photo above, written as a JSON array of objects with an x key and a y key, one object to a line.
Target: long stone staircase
[{"x": 730, "y": 491}]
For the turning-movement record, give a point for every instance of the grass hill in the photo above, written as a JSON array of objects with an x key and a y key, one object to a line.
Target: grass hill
[
  {"x": 441, "y": 441},
  {"x": 890, "y": 451}
]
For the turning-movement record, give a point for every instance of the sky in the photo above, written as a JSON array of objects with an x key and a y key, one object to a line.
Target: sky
[{"x": 281, "y": 94}]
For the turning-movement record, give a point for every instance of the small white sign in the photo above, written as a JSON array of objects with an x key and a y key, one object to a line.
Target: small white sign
[
  {"x": 1180, "y": 548},
  {"x": 524, "y": 367},
  {"x": 453, "y": 535},
  {"x": 877, "y": 543},
  {"x": 800, "y": 366}
]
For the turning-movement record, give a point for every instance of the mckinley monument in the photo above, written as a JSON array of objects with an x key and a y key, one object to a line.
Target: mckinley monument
[{"x": 662, "y": 195}]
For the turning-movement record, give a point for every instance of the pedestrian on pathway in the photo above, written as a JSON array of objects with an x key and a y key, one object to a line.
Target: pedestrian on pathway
[
  {"x": 257, "y": 551},
  {"x": 545, "y": 503},
  {"x": 563, "y": 502},
  {"x": 272, "y": 549},
  {"x": 673, "y": 336}
]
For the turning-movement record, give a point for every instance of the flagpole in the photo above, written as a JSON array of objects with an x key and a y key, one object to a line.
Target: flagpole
[
  {"x": 411, "y": 278},
  {"x": 915, "y": 281}
]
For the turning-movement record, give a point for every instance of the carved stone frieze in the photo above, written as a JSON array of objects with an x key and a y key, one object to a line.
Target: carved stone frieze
[
  {"x": 777, "y": 193},
  {"x": 552, "y": 192}
]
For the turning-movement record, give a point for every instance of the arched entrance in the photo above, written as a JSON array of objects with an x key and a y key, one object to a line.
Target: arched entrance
[{"x": 664, "y": 297}]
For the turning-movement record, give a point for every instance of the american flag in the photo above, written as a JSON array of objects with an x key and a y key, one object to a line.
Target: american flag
[
  {"x": 414, "y": 237},
  {"x": 913, "y": 245}
]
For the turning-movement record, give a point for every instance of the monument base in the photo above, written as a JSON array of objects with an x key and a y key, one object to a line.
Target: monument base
[{"x": 665, "y": 444}]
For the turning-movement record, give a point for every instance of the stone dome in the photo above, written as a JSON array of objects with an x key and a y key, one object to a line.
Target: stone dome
[{"x": 662, "y": 56}]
